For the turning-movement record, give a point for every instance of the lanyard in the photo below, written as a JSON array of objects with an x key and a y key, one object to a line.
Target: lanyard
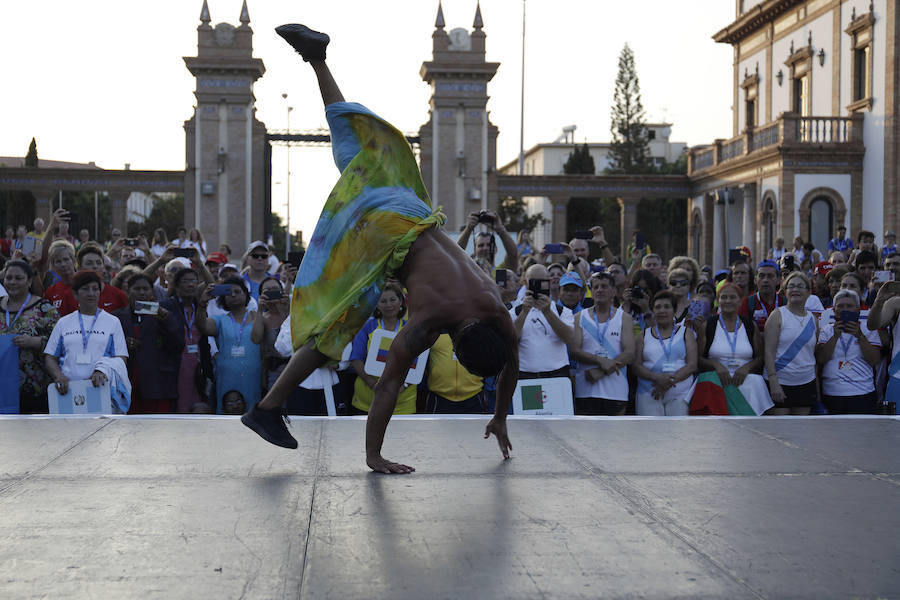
[
  {"x": 666, "y": 350},
  {"x": 763, "y": 304},
  {"x": 240, "y": 332},
  {"x": 602, "y": 332},
  {"x": 731, "y": 341},
  {"x": 188, "y": 323},
  {"x": 846, "y": 347},
  {"x": 18, "y": 314},
  {"x": 396, "y": 327},
  {"x": 86, "y": 336}
]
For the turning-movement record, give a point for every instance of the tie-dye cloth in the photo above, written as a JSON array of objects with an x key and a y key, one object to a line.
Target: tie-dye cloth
[{"x": 373, "y": 215}]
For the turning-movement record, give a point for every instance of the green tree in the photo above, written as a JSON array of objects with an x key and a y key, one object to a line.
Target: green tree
[
  {"x": 31, "y": 159},
  {"x": 81, "y": 206},
  {"x": 515, "y": 217},
  {"x": 580, "y": 161},
  {"x": 629, "y": 150}
]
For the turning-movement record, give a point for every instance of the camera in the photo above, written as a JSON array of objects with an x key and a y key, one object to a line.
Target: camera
[
  {"x": 637, "y": 293},
  {"x": 131, "y": 242},
  {"x": 500, "y": 277},
  {"x": 273, "y": 294},
  {"x": 485, "y": 217},
  {"x": 539, "y": 286}
]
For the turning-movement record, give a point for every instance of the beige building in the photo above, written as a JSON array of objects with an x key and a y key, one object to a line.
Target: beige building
[
  {"x": 815, "y": 136},
  {"x": 550, "y": 158}
]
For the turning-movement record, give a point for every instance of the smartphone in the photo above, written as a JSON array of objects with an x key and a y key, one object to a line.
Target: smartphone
[
  {"x": 788, "y": 262},
  {"x": 539, "y": 286},
  {"x": 849, "y": 316},
  {"x": 72, "y": 216},
  {"x": 295, "y": 258},
  {"x": 131, "y": 242},
  {"x": 698, "y": 308},
  {"x": 273, "y": 294},
  {"x": 221, "y": 289},
  {"x": 183, "y": 252},
  {"x": 146, "y": 308},
  {"x": 883, "y": 276},
  {"x": 500, "y": 277},
  {"x": 584, "y": 234},
  {"x": 554, "y": 249},
  {"x": 639, "y": 242}
]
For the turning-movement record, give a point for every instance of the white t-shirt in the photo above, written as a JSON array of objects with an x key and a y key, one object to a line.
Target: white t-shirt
[
  {"x": 540, "y": 349},
  {"x": 104, "y": 338},
  {"x": 848, "y": 373},
  {"x": 814, "y": 305},
  {"x": 3, "y": 291}
]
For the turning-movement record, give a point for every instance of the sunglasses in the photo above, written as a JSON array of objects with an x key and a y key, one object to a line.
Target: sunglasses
[
  {"x": 678, "y": 282},
  {"x": 259, "y": 256}
]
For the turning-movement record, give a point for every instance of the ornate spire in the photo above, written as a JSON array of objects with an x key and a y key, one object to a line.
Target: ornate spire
[
  {"x": 478, "y": 24},
  {"x": 439, "y": 21},
  {"x": 204, "y": 14},
  {"x": 245, "y": 14}
]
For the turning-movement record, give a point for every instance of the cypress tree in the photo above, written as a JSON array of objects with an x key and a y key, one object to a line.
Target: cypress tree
[
  {"x": 629, "y": 151},
  {"x": 31, "y": 159}
]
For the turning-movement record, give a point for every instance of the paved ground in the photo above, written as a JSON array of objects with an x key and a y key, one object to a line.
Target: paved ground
[{"x": 586, "y": 508}]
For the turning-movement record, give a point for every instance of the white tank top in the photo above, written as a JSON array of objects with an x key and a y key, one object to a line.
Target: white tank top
[
  {"x": 654, "y": 357},
  {"x": 795, "y": 361},
  {"x": 720, "y": 349},
  {"x": 604, "y": 339},
  {"x": 895, "y": 350}
]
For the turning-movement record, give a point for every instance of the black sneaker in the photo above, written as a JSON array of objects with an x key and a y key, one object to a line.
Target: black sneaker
[
  {"x": 270, "y": 425},
  {"x": 308, "y": 43}
]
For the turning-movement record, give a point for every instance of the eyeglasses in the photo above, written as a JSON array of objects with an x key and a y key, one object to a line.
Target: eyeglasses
[
  {"x": 796, "y": 286},
  {"x": 259, "y": 256},
  {"x": 678, "y": 282}
]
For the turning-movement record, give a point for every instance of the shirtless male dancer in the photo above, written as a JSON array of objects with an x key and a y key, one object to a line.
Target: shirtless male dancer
[{"x": 448, "y": 292}]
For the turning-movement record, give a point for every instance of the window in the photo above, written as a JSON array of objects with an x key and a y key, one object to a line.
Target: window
[
  {"x": 651, "y": 134},
  {"x": 768, "y": 222},
  {"x": 821, "y": 222},
  {"x": 750, "y": 86},
  {"x": 800, "y": 65},
  {"x": 860, "y": 31}
]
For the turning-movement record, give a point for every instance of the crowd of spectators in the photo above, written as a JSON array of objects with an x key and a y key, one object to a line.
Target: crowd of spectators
[{"x": 172, "y": 326}]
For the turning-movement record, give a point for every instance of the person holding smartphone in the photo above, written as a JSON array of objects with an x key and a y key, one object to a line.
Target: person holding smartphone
[
  {"x": 155, "y": 342},
  {"x": 543, "y": 328},
  {"x": 847, "y": 352},
  {"x": 485, "y": 244}
]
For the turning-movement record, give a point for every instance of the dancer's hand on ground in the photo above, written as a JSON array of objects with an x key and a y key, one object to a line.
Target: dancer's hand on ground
[
  {"x": 382, "y": 465},
  {"x": 498, "y": 428}
]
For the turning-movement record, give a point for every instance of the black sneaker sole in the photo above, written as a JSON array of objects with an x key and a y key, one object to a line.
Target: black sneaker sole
[
  {"x": 308, "y": 43},
  {"x": 248, "y": 420}
]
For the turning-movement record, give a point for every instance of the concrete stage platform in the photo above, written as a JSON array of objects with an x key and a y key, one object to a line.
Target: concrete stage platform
[{"x": 586, "y": 508}]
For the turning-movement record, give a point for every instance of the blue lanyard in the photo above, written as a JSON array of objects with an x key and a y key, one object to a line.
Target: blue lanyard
[
  {"x": 731, "y": 341},
  {"x": 845, "y": 347},
  {"x": 602, "y": 332},
  {"x": 188, "y": 323},
  {"x": 666, "y": 351},
  {"x": 397, "y": 327},
  {"x": 18, "y": 314},
  {"x": 86, "y": 336},
  {"x": 763, "y": 304},
  {"x": 240, "y": 332}
]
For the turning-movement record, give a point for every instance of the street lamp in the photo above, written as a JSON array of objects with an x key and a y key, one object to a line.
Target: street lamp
[{"x": 287, "y": 225}]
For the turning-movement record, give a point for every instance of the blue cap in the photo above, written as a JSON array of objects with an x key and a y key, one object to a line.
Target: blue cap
[
  {"x": 571, "y": 278},
  {"x": 769, "y": 263}
]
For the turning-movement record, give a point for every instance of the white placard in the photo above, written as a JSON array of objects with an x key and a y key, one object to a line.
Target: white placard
[
  {"x": 81, "y": 399},
  {"x": 551, "y": 396},
  {"x": 376, "y": 357}
]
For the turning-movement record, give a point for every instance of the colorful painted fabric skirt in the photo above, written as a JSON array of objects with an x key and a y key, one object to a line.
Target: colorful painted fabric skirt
[
  {"x": 373, "y": 215},
  {"x": 751, "y": 398}
]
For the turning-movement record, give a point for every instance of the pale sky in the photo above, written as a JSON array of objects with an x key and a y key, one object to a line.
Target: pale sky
[{"x": 104, "y": 80}]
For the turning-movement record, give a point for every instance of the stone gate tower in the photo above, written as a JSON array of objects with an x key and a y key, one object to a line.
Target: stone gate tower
[
  {"x": 224, "y": 178},
  {"x": 459, "y": 143}
]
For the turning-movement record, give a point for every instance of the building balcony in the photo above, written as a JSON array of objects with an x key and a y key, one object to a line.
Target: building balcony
[{"x": 789, "y": 133}]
